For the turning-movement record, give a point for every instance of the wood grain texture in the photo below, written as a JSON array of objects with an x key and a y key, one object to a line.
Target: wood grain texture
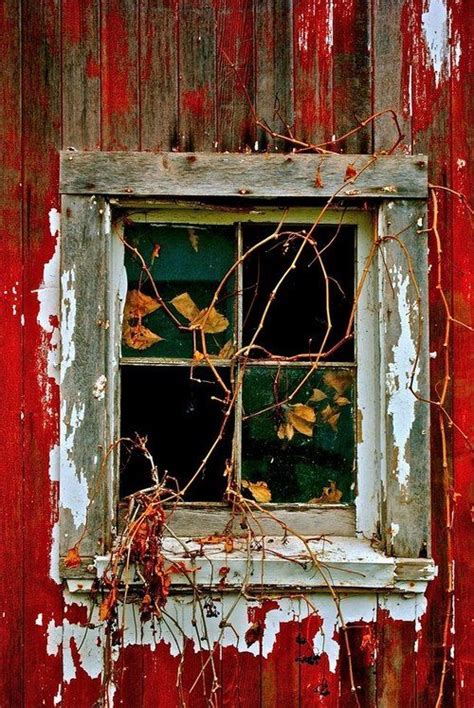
[
  {"x": 249, "y": 176},
  {"x": 159, "y": 78},
  {"x": 80, "y": 49},
  {"x": 234, "y": 47},
  {"x": 274, "y": 70},
  {"x": 404, "y": 344},
  {"x": 312, "y": 57},
  {"x": 120, "y": 115},
  {"x": 197, "y": 75},
  {"x": 11, "y": 308}
]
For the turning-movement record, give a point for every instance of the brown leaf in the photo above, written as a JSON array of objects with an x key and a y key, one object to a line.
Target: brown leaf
[
  {"x": 318, "y": 395},
  {"x": 138, "y": 305},
  {"x": 193, "y": 239},
  {"x": 342, "y": 401},
  {"x": 72, "y": 559},
  {"x": 139, "y": 337},
  {"x": 351, "y": 172},
  {"x": 302, "y": 418},
  {"x": 227, "y": 541},
  {"x": 254, "y": 633},
  {"x": 198, "y": 356},
  {"x": 332, "y": 421},
  {"x": 227, "y": 351},
  {"x": 259, "y": 490},
  {"x": 330, "y": 495},
  {"x": 155, "y": 253},
  {"x": 340, "y": 381},
  {"x": 326, "y": 413},
  {"x": 285, "y": 430},
  {"x": 210, "y": 321}
]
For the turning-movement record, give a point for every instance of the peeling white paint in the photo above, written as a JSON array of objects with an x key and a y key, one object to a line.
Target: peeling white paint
[
  {"x": 54, "y": 554},
  {"x": 73, "y": 489},
  {"x": 460, "y": 163},
  {"x": 39, "y": 620},
  {"x": 394, "y": 530},
  {"x": 99, "y": 388},
  {"x": 68, "y": 321},
  {"x": 58, "y": 697},
  {"x": 401, "y": 403},
  {"x": 435, "y": 26}
]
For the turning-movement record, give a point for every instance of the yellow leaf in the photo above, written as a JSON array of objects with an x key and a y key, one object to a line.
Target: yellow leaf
[
  {"x": 305, "y": 412},
  {"x": 185, "y": 306},
  {"x": 73, "y": 559},
  {"x": 198, "y": 356},
  {"x": 340, "y": 381},
  {"x": 139, "y": 337},
  {"x": 227, "y": 351},
  {"x": 285, "y": 430},
  {"x": 210, "y": 321},
  {"x": 302, "y": 418},
  {"x": 318, "y": 395},
  {"x": 332, "y": 421},
  {"x": 194, "y": 239},
  {"x": 330, "y": 495},
  {"x": 259, "y": 491},
  {"x": 326, "y": 413},
  {"x": 138, "y": 305},
  {"x": 342, "y": 401}
]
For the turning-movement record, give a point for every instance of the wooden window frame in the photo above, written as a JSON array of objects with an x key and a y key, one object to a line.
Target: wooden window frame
[{"x": 389, "y": 196}]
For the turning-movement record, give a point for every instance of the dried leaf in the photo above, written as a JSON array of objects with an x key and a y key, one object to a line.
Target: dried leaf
[
  {"x": 351, "y": 172},
  {"x": 303, "y": 411},
  {"x": 155, "y": 253},
  {"x": 342, "y": 401},
  {"x": 72, "y": 559},
  {"x": 198, "y": 356},
  {"x": 254, "y": 633},
  {"x": 194, "y": 239},
  {"x": 227, "y": 541},
  {"x": 229, "y": 544},
  {"x": 318, "y": 395},
  {"x": 340, "y": 381},
  {"x": 326, "y": 413},
  {"x": 318, "y": 180},
  {"x": 332, "y": 421},
  {"x": 330, "y": 495},
  {"x": 285, "y": 430},
  {"x": 259, "y": 490},
  {"x": 108, "y": 605},
  {"x": 139, "y": 337},
  {"x": 210, "y": 321},
  {"x": 227, "y": 351},
  {"x": 302, "y": 418},
  {"x": 138, "y": 305}
]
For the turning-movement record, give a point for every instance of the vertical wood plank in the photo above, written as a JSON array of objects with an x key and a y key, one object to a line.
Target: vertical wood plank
[
  {"x": 352, "y": 74},
  {"x": 312, "y": 52},
  {"x": 391, "y": 86},
  {"x": 41, "y": 126},
  {"x": 319, "y": 686},
  {"x": 80, "y": 74},
  {"x": 274, "y": 69},
  {"x": 197, "y": 70},
  {"x": 11, "y": 308},
  {"x": 396, "y": 662},
  {"x": 462, "y": 179},
  {"x": 234, "y": 45},
  {"x": 362, "y": 639},
  {"x": 120, "y": 97},
  {"x": 160, "y": 671},
  {"x": 159, "y": 74},
  {"x": 241, "y": 678},
  {"x": 281, "y": 668}
]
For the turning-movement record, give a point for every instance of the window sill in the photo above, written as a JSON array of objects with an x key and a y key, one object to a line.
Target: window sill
[{"x": 346, "y": 564}]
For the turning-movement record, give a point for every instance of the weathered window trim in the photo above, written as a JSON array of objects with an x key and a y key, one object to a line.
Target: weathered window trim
[{"x": 395, "y": 502}]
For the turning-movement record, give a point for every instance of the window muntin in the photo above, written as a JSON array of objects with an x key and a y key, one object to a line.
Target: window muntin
[{"x": 162, "y": 394}]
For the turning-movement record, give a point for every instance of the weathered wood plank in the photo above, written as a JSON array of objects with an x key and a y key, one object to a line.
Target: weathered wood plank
[
  {"x": 351, "y": 74},
  {"x": 159, "y": 74},
  {"x": 11, "y": 308},
  {"x": 396, "y": 661},
  {"x": 84, "y": 431},
  {"x": 80, "y": 23},
  {"x": 312, "y": 56},
  {"x": 249, "y": 176},
  {"x": 274, "y": 70},
  {"x": 197, "y": 72},
  {"x": 41, "y": 128},
  {"x": 120, "y": 100},
  {"x": 235, "y": 46},
  {"x": 404, "y": 366},
  {"x": 391, "y": 87}
]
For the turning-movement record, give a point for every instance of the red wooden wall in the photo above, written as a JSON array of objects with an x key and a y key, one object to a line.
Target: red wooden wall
[{"x": 151, "y": 75}]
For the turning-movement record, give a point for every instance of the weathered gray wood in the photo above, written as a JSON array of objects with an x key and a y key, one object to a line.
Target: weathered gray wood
[
  {"x": 84, "y": 333},
  {"x": 250, "y": 176},
  {"x": 405, "y": 432}
]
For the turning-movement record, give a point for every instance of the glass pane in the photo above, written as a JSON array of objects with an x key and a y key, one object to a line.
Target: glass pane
[
  {"x": 297, "y": 320},
  {"x": 187, "y": 263},
  {"x": 300, "y": 448},
  {"x": 181, "y": 422}
]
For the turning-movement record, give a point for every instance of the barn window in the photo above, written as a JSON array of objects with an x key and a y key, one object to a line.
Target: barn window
[{"x": 179, "y": 294}]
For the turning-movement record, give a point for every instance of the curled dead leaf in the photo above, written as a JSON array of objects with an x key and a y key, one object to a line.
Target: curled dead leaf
[
  {"x": 198, "y": 356},
  {"x": 259, "y": 490},
  {"x": 342, "y": 401},
  {"x": 139, "y": 337},
  {"x": 333, "y": 420},
  {"x": 72, "y": 559},
  {"x": 193, "y": 239},
  {"x": 227, "y": 351},
  {"x": 351, "y": 172},
  {"x": 318, "y": 395},
  {"x": 302, "y": 418},
  {"x": 285, "y": 430},
  {"x": 340, "y": 381},
  {"x": 209, "y": 320},
  {"x": 330, "y": 495},
  {"x": 138, "y": 305}
]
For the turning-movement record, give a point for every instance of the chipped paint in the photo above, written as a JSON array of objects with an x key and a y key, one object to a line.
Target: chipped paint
[
  {"x": 99, "y": 388},
  {"x": 73, "y": 489},
  {"x": 435, "y": 27},
  {"x": 401, "y": 401},
  {"x": 68, "y": 321}
]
